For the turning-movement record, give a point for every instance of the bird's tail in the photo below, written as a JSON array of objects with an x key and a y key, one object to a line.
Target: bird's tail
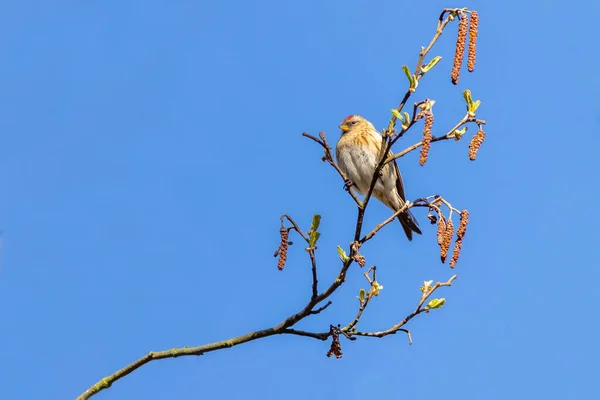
[{"x": 409, "y": 224}]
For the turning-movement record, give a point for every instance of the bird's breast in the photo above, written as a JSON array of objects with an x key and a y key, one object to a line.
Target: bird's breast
[{"x": 357, "y": 160}]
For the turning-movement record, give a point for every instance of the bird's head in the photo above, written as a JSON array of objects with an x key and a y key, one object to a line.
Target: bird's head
[{"x": 353, "y": 123}]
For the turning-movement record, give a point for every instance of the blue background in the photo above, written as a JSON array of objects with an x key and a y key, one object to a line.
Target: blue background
[{"x": 149, "y": 147}]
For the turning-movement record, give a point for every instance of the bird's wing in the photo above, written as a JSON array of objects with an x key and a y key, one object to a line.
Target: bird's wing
[
  {"x": 390, "y": 169},
  {"x": 399, "y": 183}
]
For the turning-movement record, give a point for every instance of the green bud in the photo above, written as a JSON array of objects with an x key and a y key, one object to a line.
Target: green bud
[
  {"x": 458, "y": 133},
  {"x": 436, "y": 303},
  {"x": 396, "y": 114},
  {"x": 316, "y": 221},
  {"x": 407, "y": 73},
  {"x": 411, "y": 78},
  {"x": 431, "y": 64},
  {"x": 343, "y": 256},
  {"x": 313, "y": 238}
]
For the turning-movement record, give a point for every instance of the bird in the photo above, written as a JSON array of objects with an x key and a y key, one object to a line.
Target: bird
[{"x": 357, "y": 154}]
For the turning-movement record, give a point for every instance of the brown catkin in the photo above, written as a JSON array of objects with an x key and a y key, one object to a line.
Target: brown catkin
[
  {"x": 460, "y": 234},
  {"x": 475, "y": 144},
  {"x": 426, "y": 138},
  {"x": 462, "y": 227},
  {"x": 283, "y": 248},
  {"x": 459, "y": 53},
  {"x": 448, "y": 233},
  {"x": 472, "y": 54},
  {"x": 441, "y": 230},
  {"x": 336, "y": 346},
  {"x": 455, "y": 253}
]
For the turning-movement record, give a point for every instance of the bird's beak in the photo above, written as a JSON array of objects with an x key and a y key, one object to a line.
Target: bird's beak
[{"x": 344, "y": 127}]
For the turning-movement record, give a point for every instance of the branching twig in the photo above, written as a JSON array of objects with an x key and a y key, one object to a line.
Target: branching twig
[
  {"x": 388, "y": 134},
  {"x": 449, "y": 135},
  {"x": 294, "y": 226},
  {"x": 363, "y": 303},
  {"x": 107, "y": 381},
  {"x": 402, "y": 209},
  {"x": 286, "y": 326},
  {"x": 392, "y": 330},
  {"x": 419, "y": 73},
  {"x": 329, "y": 158},
  {"x": 318, "y": 310}
]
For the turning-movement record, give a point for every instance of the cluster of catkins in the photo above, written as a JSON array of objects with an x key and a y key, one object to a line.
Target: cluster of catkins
[
  {"x": 471, "y": 25},
  {"x": 445, "y": 233}
]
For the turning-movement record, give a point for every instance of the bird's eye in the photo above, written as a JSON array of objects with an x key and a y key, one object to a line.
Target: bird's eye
[{"x": 353, "y": 123}]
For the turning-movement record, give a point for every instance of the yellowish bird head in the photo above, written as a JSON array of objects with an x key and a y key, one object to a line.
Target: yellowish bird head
[{"x": 353, "y": 123}]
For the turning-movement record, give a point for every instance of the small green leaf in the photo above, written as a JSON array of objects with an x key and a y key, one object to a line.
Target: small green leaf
[
  {"x": 436, "y": 303},
  {"x": 413, "y": 84},
  {"x": 343, "y": 256},
  {"x": 316, "y": 221},
  {"x": 406, "y": 122},
  {"x": 361, "y": 295},
  {"x": 458, "y": 133},
  {"x": 431, "y": 64},
  {"x": 396, "y": 114},
  {"x": 474, "y": 107},
  {"x": 471, "y": 105},
  {"x": 468, "y": 99},
  {"x": 314, "y": 237},
  {"x": 409, "y": 76}
]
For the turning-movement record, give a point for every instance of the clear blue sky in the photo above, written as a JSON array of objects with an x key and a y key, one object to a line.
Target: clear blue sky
[{"x": 149, "y": 147}]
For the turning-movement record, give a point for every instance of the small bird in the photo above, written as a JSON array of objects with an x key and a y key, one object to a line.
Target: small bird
[{"x": 357, "y": 154}]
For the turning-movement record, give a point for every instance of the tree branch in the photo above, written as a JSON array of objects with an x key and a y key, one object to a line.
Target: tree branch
[
  {"x": 363, "y": 303},
  {"x": 398, "y": 327},
  {"x": 389, "y": 141},
  {"x": 449, "y": 135},
  {"x": 294, "y": 226},
  {"x": 281, "y": 328},
  {"x": 107, "y": 381},
  {"x": 316, "y": 298},
  {"x": 315, "y": 281},
  {"x": 329, "y": 158}
]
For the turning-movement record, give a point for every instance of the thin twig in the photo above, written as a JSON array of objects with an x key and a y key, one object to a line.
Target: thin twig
[
  {"x": 315, "y": 281},
  {"x": 416, "y": 312},
  {"x": 448, "y": 135},
  {"x": 318, "y": 310},
  {"x": 424, "y": 51},
  {"x": 295, "y": 226},
  {"x": 389, "y": 142},
  {"x": 329, "y": 158},
  {"x": 363, "y": 304},
  {"x": 281, "y": 328},
  {"x": 316, "y": 335},
  {"x": 402, "y": 209}
]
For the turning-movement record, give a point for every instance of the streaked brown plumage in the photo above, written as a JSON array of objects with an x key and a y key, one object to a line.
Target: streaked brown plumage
[{"x": 357, "y": 153}]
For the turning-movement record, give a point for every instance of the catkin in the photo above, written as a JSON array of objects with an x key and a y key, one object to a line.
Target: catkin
[
  {"x": 283, "y": 248},
  {"x": 472, "y": 53},
  {"x": 427, "y": 136},
  {"x": 475, "y": 144},
  {"x": 459, "y": 52}
]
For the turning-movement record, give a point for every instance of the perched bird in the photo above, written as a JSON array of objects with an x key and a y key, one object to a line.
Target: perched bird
[{"x": 357, "y": 153}]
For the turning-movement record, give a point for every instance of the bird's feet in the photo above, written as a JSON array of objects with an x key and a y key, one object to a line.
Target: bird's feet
[{"x": 348, "y": 184}]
